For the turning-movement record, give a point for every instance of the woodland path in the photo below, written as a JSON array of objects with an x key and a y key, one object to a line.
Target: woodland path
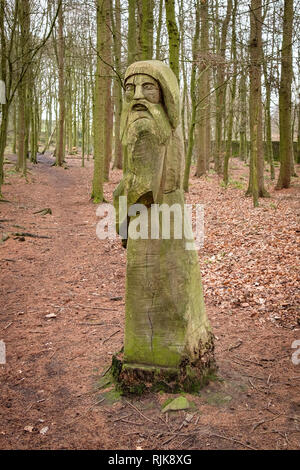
[{"x": 49, "y": 382}]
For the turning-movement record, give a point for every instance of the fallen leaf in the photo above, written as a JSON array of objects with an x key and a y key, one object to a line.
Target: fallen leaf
[
  {"x": 28, "y": 428},
  {"x": 51, "y": 315},
  {"x": 44, "y": 430}
]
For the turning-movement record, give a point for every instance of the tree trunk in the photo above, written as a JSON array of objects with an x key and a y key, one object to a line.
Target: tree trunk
[
  {"x": 173, "y": 35},
  {"x": 108, "y": 99},
  {"x": 221, "y": 92},
  {"x": 4, "y": 106},
  {"x": 60, "y": 150},
  {"x": 24, "y": 21},
  {"x": 243, "y": 115},
  {"x": 255, "y": 98},
  {"x": 285, "y": 144},
  {"x": 132, "y": 32},
  {"x": 184, "y": 105},
  {"x": 117, "y": 84},
  {"x": 146, "y": 33},
  {"x": 298, "y": 134},
  {"x": 33, "y": 131},
  {"x": 108, "y": 128},
  {"x": 190, "y": 146},
  {"x": 21, "y": 128},
  {"x": 158, "y": 32},
  {"x": 203, "y": 87},
  {"x": 83, "y": 118},
  {"x": 228, "y": 152},
  {"x": 268, "y": 123},
  {"x": 14, "y": 145},
  {"x": 100, "y": 94},
  {"x": 74, "y": 113}
]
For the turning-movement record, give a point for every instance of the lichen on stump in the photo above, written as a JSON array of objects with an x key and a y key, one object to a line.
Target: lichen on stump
[{"x": 168, "y": 339}]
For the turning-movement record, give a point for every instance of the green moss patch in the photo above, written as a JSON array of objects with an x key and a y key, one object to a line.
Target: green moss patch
[
  {"x": 111, "y": 397},
  {"x": 177, "y": 404}
]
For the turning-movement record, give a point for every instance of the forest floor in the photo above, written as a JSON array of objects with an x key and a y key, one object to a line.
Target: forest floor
[{"x": 62, "y": 319}]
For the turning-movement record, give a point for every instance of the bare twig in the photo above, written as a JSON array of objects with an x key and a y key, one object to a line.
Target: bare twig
[
  {"x": 232, "y": 440},
  {"x": 121, "y": 418},
  {"x": 248, "y": 360},
  {"x": 165, "y": 422},
  {"x": 96, "y": 308},
  {"x": 131, "y": 422},
  {"x": 168, "y": 440},
  {"x": 113, "y": 334},
  {"x": 136, "y": 409},
  {"x": 53, "y": 354},
  {"x": 83, "y": 414},
  {"x": 265, "y": 421},
  {"x": 27, "y": 234},
  {"x": 236, "y": 345}
]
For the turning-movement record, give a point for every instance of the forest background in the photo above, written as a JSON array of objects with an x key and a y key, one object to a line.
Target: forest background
[{"x": 237, "y": 64}]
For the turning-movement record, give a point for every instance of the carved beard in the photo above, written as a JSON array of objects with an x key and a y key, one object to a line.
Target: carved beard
[
  {"x": 146, "y": 134},
  {"x": 153, "y": 119}
]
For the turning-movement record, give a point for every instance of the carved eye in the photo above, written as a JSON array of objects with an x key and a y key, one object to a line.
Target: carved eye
[
  {"x": 129, "y": 88},
  {"x": 149, "y": 86}
]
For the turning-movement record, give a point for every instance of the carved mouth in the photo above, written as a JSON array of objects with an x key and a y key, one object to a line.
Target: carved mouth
[{"x": 139, "y": 107}]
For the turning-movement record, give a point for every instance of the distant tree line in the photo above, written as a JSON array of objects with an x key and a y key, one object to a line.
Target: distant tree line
[{"x": 63, "y": 62}]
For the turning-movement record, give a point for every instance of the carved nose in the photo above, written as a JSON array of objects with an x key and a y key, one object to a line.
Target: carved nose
[{"x": 138, "y": 93}]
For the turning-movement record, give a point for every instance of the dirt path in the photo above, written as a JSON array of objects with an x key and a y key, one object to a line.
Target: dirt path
[{"x": 49, "y": 395}]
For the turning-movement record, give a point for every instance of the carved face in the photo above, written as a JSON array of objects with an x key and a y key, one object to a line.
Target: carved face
[
  {"x": 142, "y": 87},
  {"x": 143, "y": 108},
  {"x": 141, "y": 91}
]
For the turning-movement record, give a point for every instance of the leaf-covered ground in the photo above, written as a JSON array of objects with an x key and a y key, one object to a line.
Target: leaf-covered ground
[{"x": 62, "y": 319}]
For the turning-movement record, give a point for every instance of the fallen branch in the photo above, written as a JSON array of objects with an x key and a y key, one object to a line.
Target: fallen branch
[
  {"x": 235, "y": 346},
  {"x": 253, "y": 376},
  {"x": 169, "y": 440},
  {"x": 28, "y": 234},
  {"x": 248, "y": 360},
  {"x": 265, "y": 421},
  {"x": 86, "y": 412},
  {"x": 253, "y": 386},
  {"x": 49, "y": 141},
  {"x": 105, "y": 372},
  {"x": 186, "y": 439},
  {"x": 45, "y": 211},
  {"x": 96, "y": 308},
  {"x": 120, "y": 418},
  {"x": 232, "y": 440},
  {"x": 136, "y": 409},
  {"x": 113, "y": 334},
  {"x": 131, "y": 422}
]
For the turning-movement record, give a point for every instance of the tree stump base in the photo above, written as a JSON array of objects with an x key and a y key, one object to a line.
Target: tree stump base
[{"x": 190, "y": 376}]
